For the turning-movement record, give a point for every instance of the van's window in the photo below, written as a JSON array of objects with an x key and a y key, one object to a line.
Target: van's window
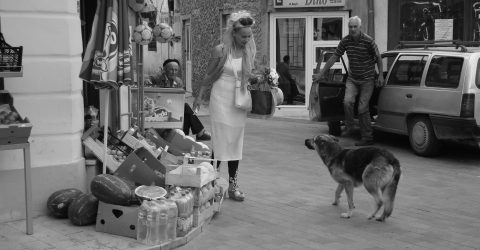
[
  {"x": 407, "y": 70},
  {"x": 444, "y": 72}
]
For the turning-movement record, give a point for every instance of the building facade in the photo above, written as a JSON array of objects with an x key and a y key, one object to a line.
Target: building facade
[
  {"x": 307, "y": 29},
  {"x": 283, "y": 27}
]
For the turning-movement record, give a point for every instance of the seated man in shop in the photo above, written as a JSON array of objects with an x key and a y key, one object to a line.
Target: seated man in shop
[{"x": 169, "y": 79}]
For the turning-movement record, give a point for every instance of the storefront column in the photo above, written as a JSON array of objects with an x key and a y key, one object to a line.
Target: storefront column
[{"x": 50, "y": 95}]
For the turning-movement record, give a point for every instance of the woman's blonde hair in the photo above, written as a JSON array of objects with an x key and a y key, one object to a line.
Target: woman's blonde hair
[{"x": 236, "y": 21}]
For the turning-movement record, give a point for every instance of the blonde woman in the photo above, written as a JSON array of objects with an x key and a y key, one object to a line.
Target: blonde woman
[{"x": 235, "y": 54}]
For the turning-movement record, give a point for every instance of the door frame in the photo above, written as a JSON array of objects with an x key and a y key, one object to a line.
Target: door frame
[
  {"x": 310, "y": 44},
  {"x": 187, "y": 49}
]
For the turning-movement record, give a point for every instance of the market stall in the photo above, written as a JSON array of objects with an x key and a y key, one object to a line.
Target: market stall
[{"x": 157, "y": 185}]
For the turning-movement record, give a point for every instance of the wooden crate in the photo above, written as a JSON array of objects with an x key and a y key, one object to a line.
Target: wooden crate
[
  {"x": 98, "y": 150},
  {"x": 176, "y": 178},
  {"x": 135, "y": 143},
  {"x": 201, "y": 216}
]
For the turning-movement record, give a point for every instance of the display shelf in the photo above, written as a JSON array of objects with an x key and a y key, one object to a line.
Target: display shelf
[
  {"x": 28, "y": 180},
  {"x": 7, "y": 74}
]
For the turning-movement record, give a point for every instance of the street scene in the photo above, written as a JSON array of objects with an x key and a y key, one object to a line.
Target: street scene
[
  {"x": 239, "y": 124},
  {"x": 289, "y": 202}
]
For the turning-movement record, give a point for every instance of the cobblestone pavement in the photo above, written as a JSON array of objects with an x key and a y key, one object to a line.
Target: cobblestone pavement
[{"x": 288, "y": 205}]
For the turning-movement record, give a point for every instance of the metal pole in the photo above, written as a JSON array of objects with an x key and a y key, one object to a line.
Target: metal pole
[{"x": 141, "y": 115}]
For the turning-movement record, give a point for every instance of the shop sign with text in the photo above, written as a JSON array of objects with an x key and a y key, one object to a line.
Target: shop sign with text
[{"x": 308, "y": 3}]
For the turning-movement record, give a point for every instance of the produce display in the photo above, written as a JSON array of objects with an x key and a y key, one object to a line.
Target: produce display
[
  {"x": 59, "y": 201},
  {"x": 83, "y": 210},
  {"x": 9, "y": 116},
  {"x": 118, "y": 153},
  {"x": 113, "y": 190}
]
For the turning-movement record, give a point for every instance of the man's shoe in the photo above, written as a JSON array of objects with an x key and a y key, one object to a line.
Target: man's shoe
[
  {"x": 206, "y": 136},
  {"x": 364, "y": 143}
]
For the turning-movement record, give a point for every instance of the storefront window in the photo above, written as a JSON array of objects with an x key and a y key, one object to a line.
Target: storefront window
[
  {"x": 431, "y": 20},
  {"x": 476, "y": 20},
  {"x": 290, "y": 41},
  {"x": 327, "y": 29}
]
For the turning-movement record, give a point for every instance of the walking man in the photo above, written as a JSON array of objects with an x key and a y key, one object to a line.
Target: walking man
[{"x": 362, "y": 53}]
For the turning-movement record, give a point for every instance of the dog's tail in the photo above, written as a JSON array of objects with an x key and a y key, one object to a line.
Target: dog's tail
[{"x": 391, "y": 189}]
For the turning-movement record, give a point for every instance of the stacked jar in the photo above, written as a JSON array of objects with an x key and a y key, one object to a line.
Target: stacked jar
[
  {"x": 152, "y": 222},
  {"x": 205, "y": 197},
  {"x": 172, "y": 219},
  {"x": 184, "y": 201}
]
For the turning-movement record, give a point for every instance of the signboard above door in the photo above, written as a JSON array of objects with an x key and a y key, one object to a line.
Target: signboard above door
[{"x": 308, "y": 3}]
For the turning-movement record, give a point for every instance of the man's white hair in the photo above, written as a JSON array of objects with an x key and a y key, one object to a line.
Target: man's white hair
[{"x": 355, "y": 18}]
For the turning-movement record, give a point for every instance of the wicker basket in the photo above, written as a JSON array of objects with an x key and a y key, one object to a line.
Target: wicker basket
[{"x": 10, "y": 57}]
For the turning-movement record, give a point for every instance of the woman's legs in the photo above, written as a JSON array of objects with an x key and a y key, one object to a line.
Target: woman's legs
[
  {"x": 232, "y": 171},
  {"x": 233, "y": 188}
]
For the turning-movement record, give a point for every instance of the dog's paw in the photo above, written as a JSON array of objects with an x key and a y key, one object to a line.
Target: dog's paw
[
  {"x": 380, "y": 219},
  {"x": 346, "y": 215}
]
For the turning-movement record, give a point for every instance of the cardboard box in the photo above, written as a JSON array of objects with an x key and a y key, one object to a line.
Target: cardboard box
[
  {"x": 184, "y": 142},
  {"x": 118, "y": 220},
  {"x": 143, "y": 168},
  {"x": 154, "y": 137},
  {"x": 163, "y": 107},
  {"x": 177, "y": 178}
]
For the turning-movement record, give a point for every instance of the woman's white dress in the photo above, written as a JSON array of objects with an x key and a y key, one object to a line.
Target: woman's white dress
[{"x": 227, "y": 121}]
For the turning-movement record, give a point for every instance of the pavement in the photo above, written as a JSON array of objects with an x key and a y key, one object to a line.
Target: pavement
[{"x": 288, "y": 202}]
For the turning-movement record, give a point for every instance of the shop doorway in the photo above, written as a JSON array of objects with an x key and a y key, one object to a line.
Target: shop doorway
[
  {"x": 187, "y": 45},
  {"x": 306, "y": 38}
]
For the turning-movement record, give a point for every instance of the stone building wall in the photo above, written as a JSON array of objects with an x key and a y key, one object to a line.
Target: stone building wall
[{"x": 206, "y": 19}]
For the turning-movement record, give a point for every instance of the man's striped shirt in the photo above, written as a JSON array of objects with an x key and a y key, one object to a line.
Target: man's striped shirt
[{"x": 361, "y": 56}]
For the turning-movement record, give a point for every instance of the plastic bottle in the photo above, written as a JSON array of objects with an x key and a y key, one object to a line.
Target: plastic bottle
[
  {"x": 142, "y": 223},
  {"x": 190, "y": 202},
  {"x": 157, "y": 220},
  {"x": 180, "y": 201},
  {"x": 172, "y": 219}
]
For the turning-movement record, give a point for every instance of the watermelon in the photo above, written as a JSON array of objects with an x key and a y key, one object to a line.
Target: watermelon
[
  {"x": 59, "y": 201},
  {"x": 113, "y": 190},
  {"x": 83, "y": 210}
]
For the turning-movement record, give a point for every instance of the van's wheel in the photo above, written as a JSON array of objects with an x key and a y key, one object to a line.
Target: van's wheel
[
  {"x": 334, "y": 128},
  {"x": 422, "y": 137}
]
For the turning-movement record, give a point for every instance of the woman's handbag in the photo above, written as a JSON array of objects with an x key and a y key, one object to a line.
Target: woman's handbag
[{"x": 243, "y": 98}]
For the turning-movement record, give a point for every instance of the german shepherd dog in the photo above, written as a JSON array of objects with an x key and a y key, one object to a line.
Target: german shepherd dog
[{"x": 376, "y": 168}]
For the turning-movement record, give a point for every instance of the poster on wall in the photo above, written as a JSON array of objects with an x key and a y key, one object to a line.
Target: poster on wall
[
  {"x": 308, "y": 3},
  {"x": 443, "y": 29},
  {"x": 417, "y": 19}
]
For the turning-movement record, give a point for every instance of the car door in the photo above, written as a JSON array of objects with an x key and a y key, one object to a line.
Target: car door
[
  {"x": 326, "y": 95},
  {"x": 397, "y": 98}
]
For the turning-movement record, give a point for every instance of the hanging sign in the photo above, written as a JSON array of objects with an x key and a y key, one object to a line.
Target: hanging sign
[{"x": 308, "y": 3}]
